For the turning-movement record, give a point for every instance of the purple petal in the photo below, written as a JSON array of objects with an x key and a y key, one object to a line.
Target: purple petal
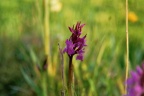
[
  {"x": 143, "y": 66},
  {"x": 139, "y": 70},
  {"x": 71, "y": 29},
  {"x": 69, "y": 48},
  {"x": 130, "y": 81},
  {"x": 82, "y": 25},
  {"x": 79, "y": 57},
  {"x": 80, "y": 52},
  {"x": 135, "y": 76},
  {"x": 65, "y": 50},
  {"x": 138, "y": 90}
]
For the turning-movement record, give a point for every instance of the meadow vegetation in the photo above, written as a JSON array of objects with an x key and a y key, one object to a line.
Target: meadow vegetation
[{"x": 101, "y": 73}]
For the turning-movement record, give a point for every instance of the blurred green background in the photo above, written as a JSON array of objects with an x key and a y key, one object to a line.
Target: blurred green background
[{"x": 102, "y": 72}]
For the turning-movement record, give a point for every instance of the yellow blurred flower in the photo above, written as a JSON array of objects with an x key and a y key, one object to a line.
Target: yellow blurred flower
[
  {"x": 132, "y": 17},
  {"x": 56, "y": 6}
]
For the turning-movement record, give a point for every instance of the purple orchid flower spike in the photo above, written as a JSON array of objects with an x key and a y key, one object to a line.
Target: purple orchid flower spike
[
  {"x": 135, "y": 83},
  {"x": 75, "y": 44}
]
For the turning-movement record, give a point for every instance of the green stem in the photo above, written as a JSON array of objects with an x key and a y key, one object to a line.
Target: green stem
[
  {"x": 44, "y": 84},
  {"x": 71, "y": 78}
]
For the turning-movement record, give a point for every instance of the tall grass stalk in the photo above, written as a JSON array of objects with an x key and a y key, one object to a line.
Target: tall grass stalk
[
  {"x": 47, "y": 35},
  {"x": 127, "y": 47},
  {"x": 62, "y": 71},
  {"x": 39, "y": 12}
]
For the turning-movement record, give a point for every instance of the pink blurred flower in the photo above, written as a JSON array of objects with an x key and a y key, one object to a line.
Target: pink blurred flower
[{"x": 135, "y": 83}]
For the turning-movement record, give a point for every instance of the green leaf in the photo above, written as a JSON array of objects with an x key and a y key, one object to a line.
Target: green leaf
[{"x": 31, "y": 83}]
